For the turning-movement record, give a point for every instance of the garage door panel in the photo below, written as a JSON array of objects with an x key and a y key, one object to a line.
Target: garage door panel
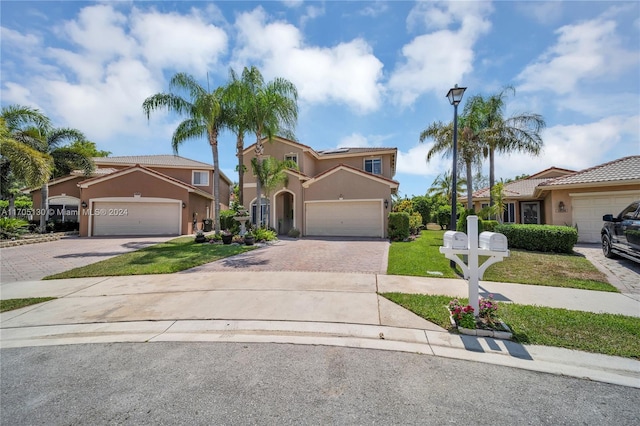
[
  {"x": 344, "y": 219},
  {"x": 136, "y": 218},
  {"x": 588, "y": 211}
]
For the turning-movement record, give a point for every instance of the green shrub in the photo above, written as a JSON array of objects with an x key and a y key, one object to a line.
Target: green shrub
[
  {"x": 398, "y": 226},
  {"x": 461, "y": 225},
  {"x": 490, "y": 225},
  {"x": 443, "y": 216},
  {"x": 263, "y": 234},
  {"x": 227, "y": 222},
  {"x": 545, "y": 238},
  {"x": 294, "y": 233},
  {"x": 12, "y": 227},
  {"x": 415, "y": 223}
]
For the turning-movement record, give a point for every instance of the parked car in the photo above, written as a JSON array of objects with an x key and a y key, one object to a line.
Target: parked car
[{"x": 621, "y": 234}]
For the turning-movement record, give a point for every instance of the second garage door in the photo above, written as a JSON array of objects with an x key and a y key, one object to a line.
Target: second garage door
[
  {"x": 344, "y": 218},
  {"x": 136, "y": 218},
  {"x": 588, "y": 210}
]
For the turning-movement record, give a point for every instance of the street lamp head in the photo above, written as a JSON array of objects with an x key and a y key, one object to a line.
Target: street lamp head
[{"x": 455, "y": 94}]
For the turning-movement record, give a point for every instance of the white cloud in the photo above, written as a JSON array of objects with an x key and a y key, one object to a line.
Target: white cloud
[
  {"x": 576, "y": 146},
  {"x": 312, "y": 12},
  {"x": 374, "y": 9},
  {"x": 292, "y": 3},
  {"x": 587, "y": 51},
  {"x": 182, "y": 42},
  {"x": 357, "y": 140},
  {"x": 437, "y": 60},
  {"x": 543, "y": 12},
  {"x": 347, "y": 73},
  {"x": 414, "y": 161}
]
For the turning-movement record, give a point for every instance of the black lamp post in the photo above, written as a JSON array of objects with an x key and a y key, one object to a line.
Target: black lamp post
[{"x": 455, "y": 96}]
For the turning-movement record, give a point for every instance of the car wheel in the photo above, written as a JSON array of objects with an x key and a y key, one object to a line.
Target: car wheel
[{"x": 606, "y": 246}]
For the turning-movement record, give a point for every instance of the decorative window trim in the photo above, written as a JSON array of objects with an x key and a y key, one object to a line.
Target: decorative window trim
[
  {"x": 200, "y": 172},
  {"x": 293, "y": 156}
]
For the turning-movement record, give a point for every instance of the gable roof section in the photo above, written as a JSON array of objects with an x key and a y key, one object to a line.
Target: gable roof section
[
  {"x": 551, "y": 172},
  {"x": 623, "y": 171},
  {"x": 122, "y": 172},
  {"x": 392, "y": 183},
  {"x": 523, "y": 188}
]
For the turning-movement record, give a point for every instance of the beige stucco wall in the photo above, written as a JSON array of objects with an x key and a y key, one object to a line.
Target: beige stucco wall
[{"x": 356, "y": 162}]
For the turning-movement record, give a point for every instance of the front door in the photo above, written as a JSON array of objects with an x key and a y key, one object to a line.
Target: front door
[
  {"x": 531, "y": 213},
  {"x": 285, "y": 212}
]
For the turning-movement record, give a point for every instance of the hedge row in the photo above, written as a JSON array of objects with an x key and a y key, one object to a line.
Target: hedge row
[
  {"x": 399, "y": 228},
  {"x": 545, "y": 238}
]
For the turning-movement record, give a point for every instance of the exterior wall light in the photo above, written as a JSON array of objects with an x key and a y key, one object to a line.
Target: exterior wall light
[
  {"x": 561, "y": 207},
  {"x": 386, "y": 204},
  {"x": 84, "y": 205}
]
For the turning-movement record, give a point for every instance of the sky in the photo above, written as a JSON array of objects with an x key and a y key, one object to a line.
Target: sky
[{"x": 368, "y": 73}]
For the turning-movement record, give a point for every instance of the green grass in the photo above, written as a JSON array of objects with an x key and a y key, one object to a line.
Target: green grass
[
  {"x": 421, "y": 258},
  {"x": 607, "y": 334},
  {"x": 164, "y": 258},
  {"x": 11, "y": 304}
]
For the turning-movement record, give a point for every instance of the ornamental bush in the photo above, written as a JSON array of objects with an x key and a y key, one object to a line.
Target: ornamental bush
[
  {"x": 11, "y": 227},
  {"x": 490, "y": 225},
  {"x": 398, "y": 226},
  {"x": 545, "y": 238}
]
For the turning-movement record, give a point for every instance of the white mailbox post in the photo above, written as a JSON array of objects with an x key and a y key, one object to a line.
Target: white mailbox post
[{"x": 489, "y": 244}]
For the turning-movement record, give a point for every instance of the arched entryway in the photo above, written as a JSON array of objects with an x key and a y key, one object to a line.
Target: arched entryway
[{"x": 285, "y": 212}]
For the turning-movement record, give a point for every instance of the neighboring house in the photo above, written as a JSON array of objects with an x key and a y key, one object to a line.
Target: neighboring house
[
  {"x": 336, "y": 192},
  {"x": 563, "y": 197},
  {"x": 137, "y": 195}
]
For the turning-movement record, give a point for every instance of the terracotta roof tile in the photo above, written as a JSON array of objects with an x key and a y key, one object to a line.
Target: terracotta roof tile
[
  {"x": 153, "y": 160},
  {"x": 626, "y": 168},
  {"x": 517, "y": 189}
]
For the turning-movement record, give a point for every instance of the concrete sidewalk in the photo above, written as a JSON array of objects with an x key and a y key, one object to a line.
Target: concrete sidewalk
[{"x": 295, "y": 307}]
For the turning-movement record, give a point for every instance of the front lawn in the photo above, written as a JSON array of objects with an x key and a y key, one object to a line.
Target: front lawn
[
  {"x": 11, "y": 304},
  {"x": 607, "y": 334},
  {"x": 422, "y": 258},
  {"x": 164, "y": 258}
]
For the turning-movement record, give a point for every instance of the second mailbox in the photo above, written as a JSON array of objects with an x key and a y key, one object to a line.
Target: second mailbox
[{"x": 493, "y": 241}]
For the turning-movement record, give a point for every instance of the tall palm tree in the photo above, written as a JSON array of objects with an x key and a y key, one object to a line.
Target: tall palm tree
[
  {"x": 468, "y": 148},
  {"x": 21, "y": 160},
  {"x": 65, "y": 160},
  {"x": 518, "y": 133},
  {"x": 442, "y": 186},
  {"x": 272, "y": 110},
  {"x": 271, "y": 172},
  {"x": 237, "y": 100},
  {"x": 206, "y": 117}
]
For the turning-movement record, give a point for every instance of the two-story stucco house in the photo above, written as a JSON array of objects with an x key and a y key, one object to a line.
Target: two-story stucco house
[
  {"x": 337, "y": 192},
  {"x": 137, "y": 195}
]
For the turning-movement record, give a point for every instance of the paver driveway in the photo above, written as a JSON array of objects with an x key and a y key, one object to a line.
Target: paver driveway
[
  {"x": 35, "y": 261},
  {"x": 367, "y": 256}
]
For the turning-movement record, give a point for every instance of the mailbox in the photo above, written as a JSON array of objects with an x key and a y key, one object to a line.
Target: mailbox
[
  {"x": 493, "y": 241},
  {"x": 455, "y": 240}
]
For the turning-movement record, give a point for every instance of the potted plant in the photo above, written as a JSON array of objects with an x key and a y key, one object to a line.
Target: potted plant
[
  {"x": 249, "y": 239},
  {"x": 227, "y": 237},
  {"x": 200, "y": 238}
]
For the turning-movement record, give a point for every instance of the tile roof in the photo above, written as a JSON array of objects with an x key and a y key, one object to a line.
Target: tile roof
[
  {"x": 346, "y": 150},
  {"x": 518, "y": 189},
  {"x": 153, "y": 160},
  {"x": 623, "y": 169}
]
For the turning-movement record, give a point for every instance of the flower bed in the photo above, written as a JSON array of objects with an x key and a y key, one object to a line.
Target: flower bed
[{"x": 486, "y": 324}]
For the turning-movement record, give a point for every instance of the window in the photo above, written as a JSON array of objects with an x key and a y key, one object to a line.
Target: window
[
  {"x": 629, "y": 212},
  {"x": 200, "y": 178},
  {"x": 264, "y": 206},
  {"x": 484, "y": 205},
  {"x": 509, "y": 213},
  {"x": 373, "y": 165},
  {"x": 291, "y": 157}
]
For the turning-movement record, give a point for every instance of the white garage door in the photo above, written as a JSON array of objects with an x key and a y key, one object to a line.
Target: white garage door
[
  {"x": 344, "y": 218},
  {"x": 136, "y": 218},
  {"x": 588, "y": 211}
]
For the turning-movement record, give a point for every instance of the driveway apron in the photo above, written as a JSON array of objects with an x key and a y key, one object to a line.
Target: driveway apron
[{"x": 367, "y": 256}]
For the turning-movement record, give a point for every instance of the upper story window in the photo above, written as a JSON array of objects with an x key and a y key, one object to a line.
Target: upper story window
[
  {"x": 291, "y": 157},
  {"x": 200, "y": 178},
  {"x": 373, "y": 165}
]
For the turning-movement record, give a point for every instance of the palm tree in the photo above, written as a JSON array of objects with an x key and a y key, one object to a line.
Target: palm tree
[
  {"x": 518, "y": 133},
  {"x": 442, "y": 186},
  {"x": 272, "y": 110},
  {"x": 65, "y": 160},
  {"x": 271, "y": 172},
  {"x": 206, "y": 117},
  {"x": 21, "y": 160},
  {"x": 467, "y": 147}
]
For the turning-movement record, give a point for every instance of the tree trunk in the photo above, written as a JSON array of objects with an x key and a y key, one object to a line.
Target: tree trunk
[
  {"x": 259, "y": 151},
  {"x": 213, "y": 140},
  {"x": 492, "y": 178},
  {"x": 44, "y": 211},
  {"x": 12, "y": 205},
  {"x": 240, "y": 148},
  {"x": 469, "y": 187}
]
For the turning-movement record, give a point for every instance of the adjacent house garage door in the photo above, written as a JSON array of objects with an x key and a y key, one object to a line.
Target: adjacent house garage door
[
  {"x": 588, "y": 210},
  {"x": 344, "y": 218},
  {"x": 136, "y": 218}
]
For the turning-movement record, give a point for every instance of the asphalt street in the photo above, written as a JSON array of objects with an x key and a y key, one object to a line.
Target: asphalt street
[{"x": 225, "y": 383}]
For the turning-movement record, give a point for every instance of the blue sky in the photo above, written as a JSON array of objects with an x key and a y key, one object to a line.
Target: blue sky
[{"x": 368, "y": 73}]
